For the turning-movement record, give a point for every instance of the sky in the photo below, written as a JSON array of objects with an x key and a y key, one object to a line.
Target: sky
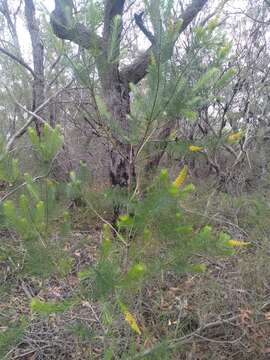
[
  {"x": 23, "y": 34},
  {"x": 49, "y": 6}
]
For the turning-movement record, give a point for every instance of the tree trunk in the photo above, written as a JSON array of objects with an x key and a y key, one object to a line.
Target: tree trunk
[
  {"x": 38, "y": 60},
  {"x": 122, "y": 171},
  {"x": 114, "y": 81}
]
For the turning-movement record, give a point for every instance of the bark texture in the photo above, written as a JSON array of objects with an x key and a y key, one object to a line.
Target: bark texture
[{"x": 38, "y": 61}]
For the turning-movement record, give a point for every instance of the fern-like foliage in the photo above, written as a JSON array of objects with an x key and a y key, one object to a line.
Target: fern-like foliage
[
  {"x": 11, "y": 336},
  {"x": 48, "y": 143},
  {"x": 9, "y": 166},
  {"x": 34, "y": 208},
  {"x": 160, "y": 236}
]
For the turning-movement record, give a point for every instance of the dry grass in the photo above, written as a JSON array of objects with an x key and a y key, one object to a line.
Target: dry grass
[{"x": 223, "y": 313}]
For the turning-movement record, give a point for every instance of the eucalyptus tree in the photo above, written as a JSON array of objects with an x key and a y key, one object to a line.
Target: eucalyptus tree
[{"x": 103, "y": 41}]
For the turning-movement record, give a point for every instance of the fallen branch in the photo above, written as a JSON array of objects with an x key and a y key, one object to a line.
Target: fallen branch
[{"x": 170, "y": 345}]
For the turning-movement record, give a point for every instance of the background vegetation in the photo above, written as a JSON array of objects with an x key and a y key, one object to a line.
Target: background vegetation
[{"x": 134, "y": 212}]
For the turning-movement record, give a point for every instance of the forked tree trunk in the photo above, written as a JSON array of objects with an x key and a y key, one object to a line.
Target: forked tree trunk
[{"x": 114, "y": 81}]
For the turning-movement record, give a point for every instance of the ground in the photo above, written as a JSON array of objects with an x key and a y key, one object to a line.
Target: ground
[{"x": 221, "y": 313}]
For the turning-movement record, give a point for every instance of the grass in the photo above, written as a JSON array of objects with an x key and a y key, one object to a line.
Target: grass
[{"x": 222, "y": 313}]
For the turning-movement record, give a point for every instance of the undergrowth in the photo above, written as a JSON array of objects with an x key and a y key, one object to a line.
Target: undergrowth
[{"x": 175, "y": 269}]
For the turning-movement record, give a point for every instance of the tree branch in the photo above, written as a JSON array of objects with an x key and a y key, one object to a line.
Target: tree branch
[
  {"x": 139, "y": 22},
  {"x": 138, "y": 69},
  {"x": 112, "y": 9},
  {"x": 18, "y": 60},
  {"x": 5, "y": 10},
  {"x": 64, "y": 28},
  {"x": 23, "y": 129}
]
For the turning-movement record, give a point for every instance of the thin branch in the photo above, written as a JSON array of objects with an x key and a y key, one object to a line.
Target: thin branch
[
  {"x": 139, "y": 22},
  {"x": 172, "y": 344},
  {"x": 137, "y": 70},
  {"x": 23, "y": 129},
  {"x": 19, "y": 61},
  {"x": 17, "y": 188},
  {"x": 64, "y": 28}
]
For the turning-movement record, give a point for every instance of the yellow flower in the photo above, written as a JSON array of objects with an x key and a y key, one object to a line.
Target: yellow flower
[
  {"x": 238, "y": 243},
  {"x": 235, "y": 136},
  {"x": 195, "y": 148},
  {"x": 181, "y": 177},
  {"x": 132, "y": 322}
]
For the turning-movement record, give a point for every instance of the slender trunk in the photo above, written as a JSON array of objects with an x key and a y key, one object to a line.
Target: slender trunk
[
  {"x": 38, "y": 60},
  {"x": 12, "y": 26}
]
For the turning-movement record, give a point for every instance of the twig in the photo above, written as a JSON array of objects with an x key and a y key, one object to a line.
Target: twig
[
  {"x": 19, "y": 61},
  {"x": 109, "y": 224},
  {"x": 37, "y": 178},
  {"x": 22, "y": 130},
  {"x": 216, "y": 219},
  {"x": 176, "y": 342}
]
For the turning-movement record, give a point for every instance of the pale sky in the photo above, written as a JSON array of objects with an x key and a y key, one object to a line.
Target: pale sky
[
  {"x": 48, "y": 5},
  {"x": 23, "y": 34}
]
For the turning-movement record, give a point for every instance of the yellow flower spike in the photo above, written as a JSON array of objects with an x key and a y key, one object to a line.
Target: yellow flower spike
[
  {"x": 238, "y": 243},
  {"x": 132, "y": 322},
  {"x": 181, "y": 177},
  {"x": 235, "y": 136},
  {"x": 130, "y": 318},
  {"x": 195, "y": 148}
]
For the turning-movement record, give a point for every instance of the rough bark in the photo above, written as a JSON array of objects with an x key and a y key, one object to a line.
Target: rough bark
[
  {"x": 116, "y": 96},
  {"x": 38, "y": 60}
]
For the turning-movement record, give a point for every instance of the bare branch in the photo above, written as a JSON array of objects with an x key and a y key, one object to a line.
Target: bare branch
[
  {"x": 23, "y": 129},
  {"x": 5, "y": 10},
  {"x": 63, "y": 27},
  {"x": 138, "y": 69},
  {"x": 139, "y": 22},
  {"x": 18, "y": 60}
]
